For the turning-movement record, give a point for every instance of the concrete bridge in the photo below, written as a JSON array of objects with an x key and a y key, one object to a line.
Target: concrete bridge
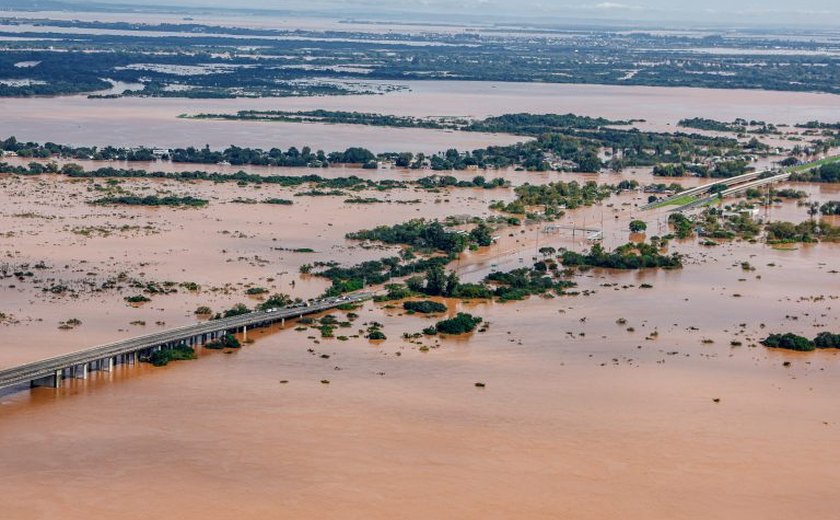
[
  {"x": 51, "y": 371},
  {"x": 705, "y": 188},
  {"x": 734, "y": 190},
  {"x": 706, "y": 193}
]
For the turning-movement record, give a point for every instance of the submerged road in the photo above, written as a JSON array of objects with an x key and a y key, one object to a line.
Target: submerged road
[{"x": 51, "y": 371}]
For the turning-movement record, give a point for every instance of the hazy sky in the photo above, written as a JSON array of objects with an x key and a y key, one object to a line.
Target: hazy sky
[{"x": 734, "y": 12}]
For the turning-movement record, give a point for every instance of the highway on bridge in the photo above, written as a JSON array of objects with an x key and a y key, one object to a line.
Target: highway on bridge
[
  {"x": 704, "y": 188},
  {"x": 51, "y": 371},
  {"x": 686, "y": 200},
  {"x": 735, "y": 190}
]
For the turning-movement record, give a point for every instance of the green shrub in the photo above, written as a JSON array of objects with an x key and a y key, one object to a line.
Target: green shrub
[
  {"x": 460, "y": 324},
  {"x": 789, "y": 341},
  {"x": 827, "y": 340},
  {"x": 425, "y": 307},
  {"x": 376, "y": 334},
  {"x": 162, "y": 357},
  {"x": 226, "y": 341}
]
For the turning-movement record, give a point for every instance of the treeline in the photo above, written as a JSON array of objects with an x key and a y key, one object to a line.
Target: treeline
[
  {"x": 804, "y": 232},
  {"x": 826, "y": 173},
  {"x": 292, "y": 157},
  {"x": 152, "y": 200},
  {"x": 351, "y": 182},
  {"x": 539, "y": 124},
  {"x": 562, "y": 142},
  {"x": 720, "y": 170},
  {"x": 819, "y": 125},
  {"x": 50, "y": 149},
  {"x": 628, "y": 256},
  {"x": 76, "y": 171},
  {"x": 520, "y": 124},
  {"x": 554, "y": 197},
  {"x": 702, "y": 123},
  {"x": 427, "y": 235},
  {"x": 446, "y": 181},
  {"x": 334, "y": 117},
  {"x": 375, "y": 272},
  {"x": 235, "y": 155}
]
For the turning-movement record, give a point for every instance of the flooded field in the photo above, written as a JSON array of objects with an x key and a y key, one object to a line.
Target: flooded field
[
  {"x": 579, "y": 414},
  {"x": 645, "y": 396},
  {"x": 78, "y": 120}
]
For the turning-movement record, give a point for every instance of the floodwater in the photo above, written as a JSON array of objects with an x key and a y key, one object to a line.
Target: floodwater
[
  {"x": 581, "y": 416},
  {"x": 78, "y": 120}
]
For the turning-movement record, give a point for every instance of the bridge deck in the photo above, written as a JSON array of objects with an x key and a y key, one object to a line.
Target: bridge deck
[
  {"x": 733, "y": 191},
  {"x": 47, "y": 367}
]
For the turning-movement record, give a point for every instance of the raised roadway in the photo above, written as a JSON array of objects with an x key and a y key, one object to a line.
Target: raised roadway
[{"x": 52, "y": 370}]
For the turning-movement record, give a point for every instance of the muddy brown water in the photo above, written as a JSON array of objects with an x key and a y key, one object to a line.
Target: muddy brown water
[
  {"x": 153, "y": 121},
  {"x": 580, "y": 417}
]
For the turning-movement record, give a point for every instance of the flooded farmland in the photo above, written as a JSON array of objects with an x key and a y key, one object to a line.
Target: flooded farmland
[
  {"x": 641, "y": 394},
  {"x": 78, "y": 120},
  {"x": 578, "y": 412}
]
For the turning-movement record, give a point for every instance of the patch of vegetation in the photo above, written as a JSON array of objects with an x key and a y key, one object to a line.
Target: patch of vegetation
[
  {"x": 374, "y": 332},
  {"x": 226, "y": 341},
  {"x": 830, "y": 208},
  {"x": 789, "y": 341},
  {"x": 827, "y": 340},
  {"x": 425, "y": 307},
  {"x": 628, "y": 256},
  {"x": 429, "y": 235},
  {"x": 462, "y": 323},
  {"x": 637, "y": 226},
  {"x": 555, "y": 197},
  {"x": 152, "y": 200},
  {"x": 162, "y": 357},
  {"x": 804, "y": 232},
  {"x": 276, "y": 300},
  {"x": 828, "y": 172},
  {"x": 236, "y": 310},
  {"x": 521, "y": 283},
  {"x": 702, "y": 123}
]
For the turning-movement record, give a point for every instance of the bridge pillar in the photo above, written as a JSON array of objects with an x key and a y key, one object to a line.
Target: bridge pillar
[
  {"x": 244, "y": 333},
  {"x": 282, "y": 323},
  {"x": 52, "y": 381},
  {"x": 79, "y": 371}
]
